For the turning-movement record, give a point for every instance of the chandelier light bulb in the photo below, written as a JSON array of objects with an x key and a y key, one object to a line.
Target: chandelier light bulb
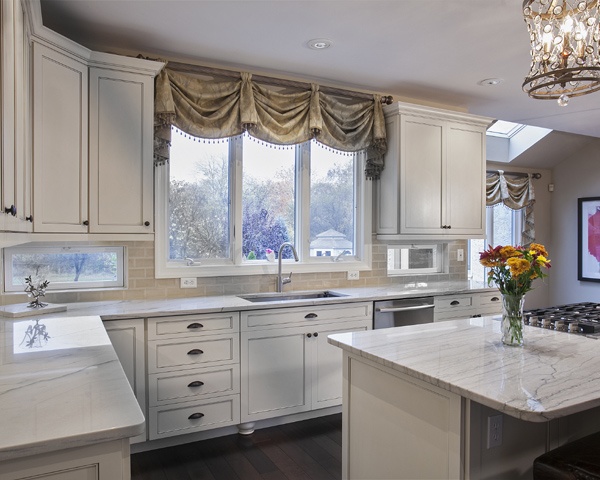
[{"x": 565, "y": 50}]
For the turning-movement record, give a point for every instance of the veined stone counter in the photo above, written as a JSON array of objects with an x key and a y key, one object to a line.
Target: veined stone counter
[
  {"x": 420, "y": 401},
  {"x": 69, "y": 391}
]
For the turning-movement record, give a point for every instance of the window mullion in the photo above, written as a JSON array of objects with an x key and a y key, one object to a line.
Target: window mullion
[
  {"x": 302, "y": 193},
  {"x": 236, "y": 156}
]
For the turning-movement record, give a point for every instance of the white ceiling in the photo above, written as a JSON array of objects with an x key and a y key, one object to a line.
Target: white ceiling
[{"x": 428, "y": 51}]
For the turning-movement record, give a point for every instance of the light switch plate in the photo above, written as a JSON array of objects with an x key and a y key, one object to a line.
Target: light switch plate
[
  {"x": 460, "y": 255},
  {"x": 189, "y": 282}
]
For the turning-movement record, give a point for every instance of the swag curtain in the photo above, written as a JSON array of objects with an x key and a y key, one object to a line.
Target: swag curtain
[
  {"x": 516, "y": 193},
  {"x": 225, "y": 108}
]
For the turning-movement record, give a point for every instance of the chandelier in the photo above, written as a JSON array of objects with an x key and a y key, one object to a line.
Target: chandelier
[{"x": 565, "y": 59}]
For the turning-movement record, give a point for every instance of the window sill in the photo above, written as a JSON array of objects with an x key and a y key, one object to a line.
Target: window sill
[{"x": 264, "y": 268}]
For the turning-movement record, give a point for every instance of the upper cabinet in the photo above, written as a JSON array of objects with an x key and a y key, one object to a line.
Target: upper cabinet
[
  {"x": 433, "y": 185},
  {"x": 92, "y": 141}
]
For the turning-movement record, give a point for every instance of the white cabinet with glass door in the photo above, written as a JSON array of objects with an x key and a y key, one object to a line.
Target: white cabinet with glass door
[
  {"x": 433, "y": 182},
  {"x": 287, "y": 365}
]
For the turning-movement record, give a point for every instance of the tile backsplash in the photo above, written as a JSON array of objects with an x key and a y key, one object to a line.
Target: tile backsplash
[{"x": 143, "y": 286}]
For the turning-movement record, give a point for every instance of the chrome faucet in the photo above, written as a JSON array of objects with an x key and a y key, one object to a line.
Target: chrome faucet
[
  {"x": 339, "y": 257},
  {"x": 280, "y": 280}
]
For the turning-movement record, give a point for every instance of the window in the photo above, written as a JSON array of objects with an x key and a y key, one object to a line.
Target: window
[
  {"x": 415, "y": 259},
  {"x": 503, "y": 227},
  {"x": 224, "y": 205},
  {"x": 66, "y": 268}
]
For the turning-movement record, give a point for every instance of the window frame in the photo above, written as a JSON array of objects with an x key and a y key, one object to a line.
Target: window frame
[
  {"x": 165, "y": 268},
  {"x": 47, "y": 248}
]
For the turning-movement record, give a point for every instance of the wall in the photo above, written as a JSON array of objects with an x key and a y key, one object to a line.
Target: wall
[
  {"x": 576, "y": 177},
  {"x": 143, "y": 286},
  {"x": 541, "y": 295}
]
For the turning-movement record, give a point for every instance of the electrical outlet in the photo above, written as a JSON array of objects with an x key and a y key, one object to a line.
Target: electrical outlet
[
  {"x": 460, "y": 255},
  {"x": 188, "y": 282},
  {"x": 353, "y": 275},
  {"x": 494, "y": 431}
]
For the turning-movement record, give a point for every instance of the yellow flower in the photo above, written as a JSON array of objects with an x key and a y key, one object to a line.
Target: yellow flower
[
  {"x": 539, "y": 249},
  {"x": 518, "y": 266},
  {"x": 542, "y": 260},
  {"x": 509, "y": 251}
]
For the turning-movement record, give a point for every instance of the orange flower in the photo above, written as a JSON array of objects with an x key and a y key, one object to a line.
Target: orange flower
[
  {"x": 518, "y": 266},
  {"x": 509, "y": 251},
  {"x": 538, "y": 249}
]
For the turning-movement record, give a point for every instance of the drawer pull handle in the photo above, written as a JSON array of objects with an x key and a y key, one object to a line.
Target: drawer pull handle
[
  {"x": 455, "y": 302},
  {"x": 196, "y": 383},
  {"x": 195, "y": 416},
  {"x": 311, "y": 315},
  {"x": 495, "y": 299},
  {"x": 195, "y": 351},
  {"x": 195, "y": 325}
]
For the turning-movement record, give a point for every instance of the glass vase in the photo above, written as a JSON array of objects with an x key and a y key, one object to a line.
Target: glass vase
[{"x": 512, "y": 319}]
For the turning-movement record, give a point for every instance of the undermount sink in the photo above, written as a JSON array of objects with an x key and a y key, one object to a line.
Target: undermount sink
[{"x": 289, "y": 296}]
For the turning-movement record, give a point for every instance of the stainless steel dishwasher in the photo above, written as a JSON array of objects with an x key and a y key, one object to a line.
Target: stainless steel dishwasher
[{"x": 398, "y": 313}]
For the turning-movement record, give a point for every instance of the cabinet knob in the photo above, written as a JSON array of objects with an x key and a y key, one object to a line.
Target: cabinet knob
[
  {"x": 316, "y": 334},
  {"x": 147, "y": 223},
  {"x": 449, "y": 227},
  {"x": 29, "y": 218},
  {"x": 311, "y": 315},
  {"x": 12, "y": 210},
  {"x": 195, "y": 351},
  {"x": 195, "y": 416},
  {"x": 454, "y": 302},
  {"x": 195, "y": 325},
  {"x": 196, "y": 383},
  {"x": 309, "y": 335},
  {"x": 85, "y": 222}
]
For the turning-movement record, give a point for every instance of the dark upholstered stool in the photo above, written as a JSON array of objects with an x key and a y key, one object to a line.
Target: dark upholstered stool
[{"x": 578, "y": 460}]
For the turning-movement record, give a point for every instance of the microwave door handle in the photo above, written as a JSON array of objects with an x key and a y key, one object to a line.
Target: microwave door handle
[{"x": 403, "y": 309}]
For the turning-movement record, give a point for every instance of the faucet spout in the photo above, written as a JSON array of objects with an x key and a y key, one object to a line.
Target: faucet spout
[{"x": 280, "y": 280}]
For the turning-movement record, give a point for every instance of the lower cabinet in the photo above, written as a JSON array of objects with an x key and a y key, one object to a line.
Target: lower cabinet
[
  {"x": 452, "y": 307},
  {"x": 292, "y": 368},
  {"x": 128, "y": 340},
  {"x": 193, "y": 373}
]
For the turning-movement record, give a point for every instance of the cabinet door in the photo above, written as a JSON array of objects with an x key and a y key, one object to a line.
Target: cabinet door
[
  {"x": 327, "y": 363},
  {"x": 275, "y": 378},
  {"x": 465, "y": 174},
  {"x": 422, "y": 189},
  {"x": 121, "y": 164},
  {"x": 60, "y": 142},
  {"x": 127, "y": 338}
]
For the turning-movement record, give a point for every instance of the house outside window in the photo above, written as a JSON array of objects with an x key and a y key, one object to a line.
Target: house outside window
[{"x": 223, "y": 205}]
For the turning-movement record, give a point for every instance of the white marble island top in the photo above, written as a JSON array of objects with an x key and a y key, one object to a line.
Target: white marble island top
[
  {"x": 553, "y": 375},
  {"x": 67, "y": 392}
]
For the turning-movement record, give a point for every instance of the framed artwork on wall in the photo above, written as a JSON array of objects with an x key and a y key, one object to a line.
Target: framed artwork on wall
[{"x": 588, "y": 254}]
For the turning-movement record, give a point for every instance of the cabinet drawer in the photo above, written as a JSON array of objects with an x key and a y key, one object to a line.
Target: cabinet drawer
[
  {"x": 168, "y": 421},
  {"x": 453, "y": 302},
  {"x": 303, "y": 315},
  {"x": 186, "y": 325},
  {"x": 166, "y": 355},
  {"x": 490, "y": 300},
  {"x": 164, "y": 388}
]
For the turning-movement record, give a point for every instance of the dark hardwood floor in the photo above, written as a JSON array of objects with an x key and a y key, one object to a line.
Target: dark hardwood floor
[{"x": 307, "y": 450}]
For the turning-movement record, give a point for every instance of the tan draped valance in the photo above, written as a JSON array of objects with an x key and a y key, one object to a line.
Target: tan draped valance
[
  {"x": 516, "y": 193},
  {"x": 225, "y": 108}
]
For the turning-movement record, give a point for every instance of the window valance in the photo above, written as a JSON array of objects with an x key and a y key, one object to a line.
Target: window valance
[
  {"x": 516, "y": 193},
  {"x": 225, "y": 108}
]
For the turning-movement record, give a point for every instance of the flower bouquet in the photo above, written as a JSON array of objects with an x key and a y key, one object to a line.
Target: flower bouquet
[{"x": 513, "y": 270}]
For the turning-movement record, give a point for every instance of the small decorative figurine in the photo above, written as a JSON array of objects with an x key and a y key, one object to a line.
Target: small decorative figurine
[{"x": 35, "y": 292}]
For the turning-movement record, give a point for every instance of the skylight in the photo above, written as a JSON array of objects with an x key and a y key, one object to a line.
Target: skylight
[{"x": 505, "y": 129}]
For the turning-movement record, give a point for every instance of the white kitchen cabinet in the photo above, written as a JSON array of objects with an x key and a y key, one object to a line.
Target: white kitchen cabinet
[
  {"x": 128, "y": 340},
  {"x": 121, "y": 157},
  {"x": 15, "y": 134},
  {"x": 286, "y": 363},
  {"x": 433, "y": 185},
  {"x": 60, "y": 142},
  {"x": 193, "y": 373},
  {"x": 451, "y": 307}
]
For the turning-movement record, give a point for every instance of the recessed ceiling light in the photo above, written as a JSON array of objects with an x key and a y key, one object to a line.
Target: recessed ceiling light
[
  {"x": 490, "y": 82},
  {"x": 319, "y": 43}
]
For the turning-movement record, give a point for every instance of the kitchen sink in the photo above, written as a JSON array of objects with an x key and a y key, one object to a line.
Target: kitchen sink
[{"x": 290, "y": 296}]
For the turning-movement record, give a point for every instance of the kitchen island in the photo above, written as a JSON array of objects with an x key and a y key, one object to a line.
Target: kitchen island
[
  {"x": 66, "y": 407},
  {"x": 448, "y": 400}
]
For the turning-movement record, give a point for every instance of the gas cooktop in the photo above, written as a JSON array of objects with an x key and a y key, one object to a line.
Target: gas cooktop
[{"x": 579, "y": 318}]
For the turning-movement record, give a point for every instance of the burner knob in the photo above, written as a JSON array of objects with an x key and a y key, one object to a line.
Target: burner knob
[
  {"x": 546, "y": 323},
  {"x": 559, "y": 325},
  {"x": 573, "y": 328},
  {"x": 533, "y": 321}
]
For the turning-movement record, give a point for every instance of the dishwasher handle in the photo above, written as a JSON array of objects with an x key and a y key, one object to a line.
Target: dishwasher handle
[{"x": 404, "y": 309}]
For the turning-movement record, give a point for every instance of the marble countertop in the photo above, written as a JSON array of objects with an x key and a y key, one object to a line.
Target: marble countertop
[
  {"x": 123, "y": 309},
  {"x": 553, "y": 375},
  {"x": 61, "y": 393}
]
